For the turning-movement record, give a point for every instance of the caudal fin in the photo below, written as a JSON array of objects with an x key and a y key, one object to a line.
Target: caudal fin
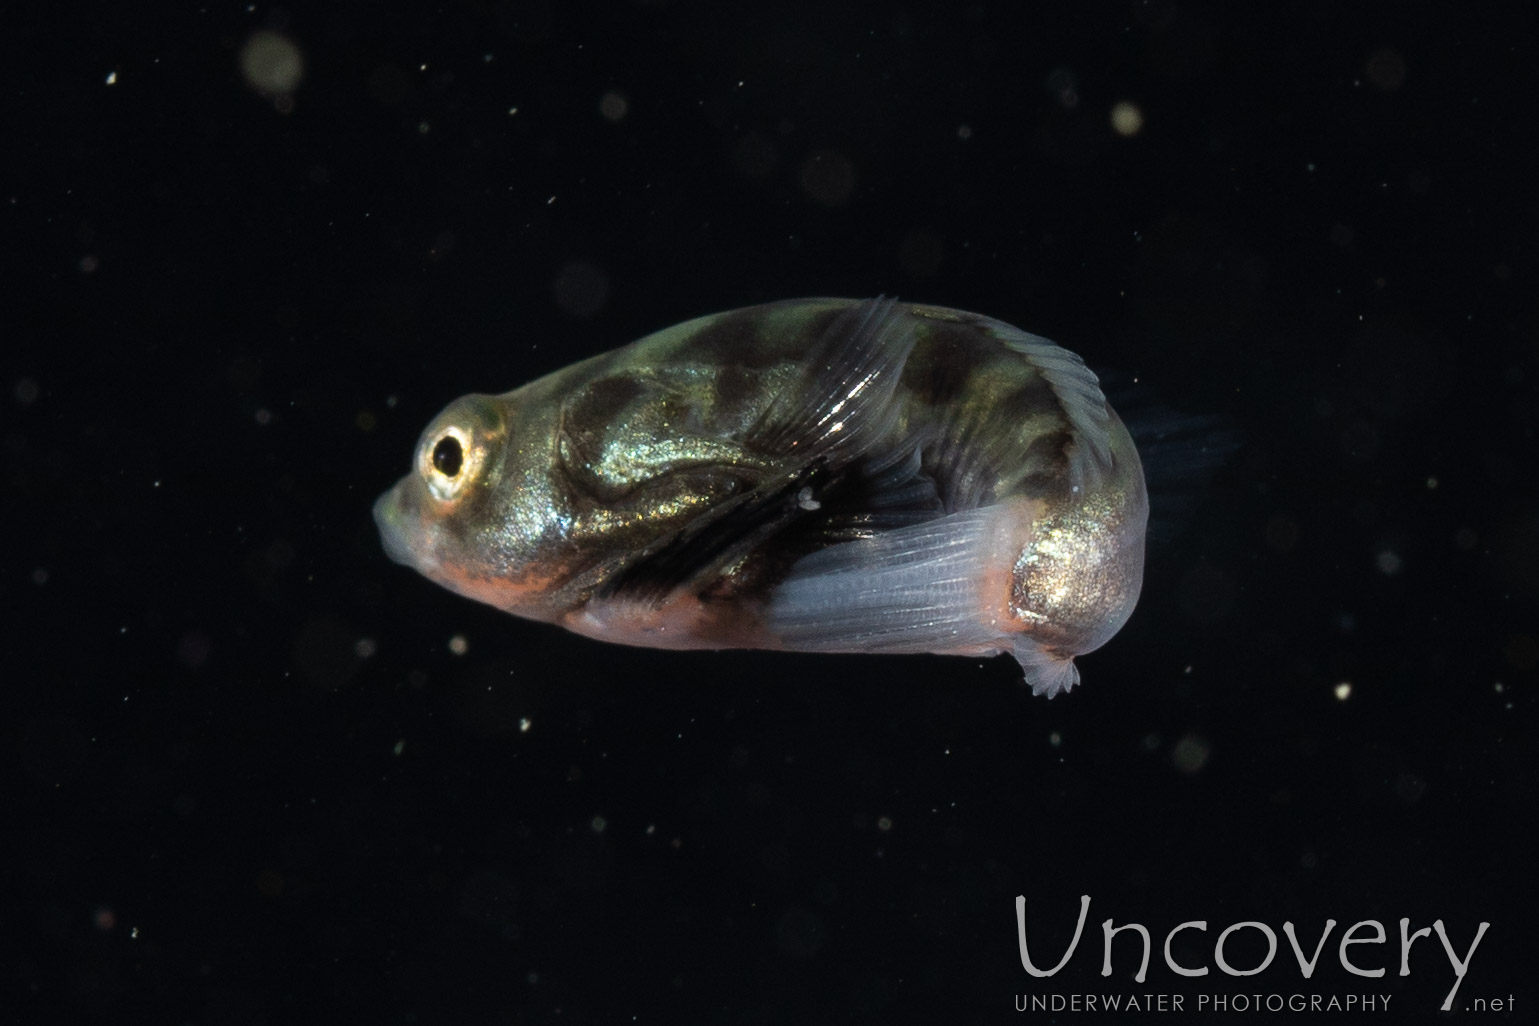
[{"x": 1047, "y": 672}]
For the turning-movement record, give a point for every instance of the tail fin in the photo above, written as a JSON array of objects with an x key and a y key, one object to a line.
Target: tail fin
[{"x": 1047, "y": 672}]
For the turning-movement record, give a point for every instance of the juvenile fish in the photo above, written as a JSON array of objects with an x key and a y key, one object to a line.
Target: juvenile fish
[{"x": 815, "y": 475}]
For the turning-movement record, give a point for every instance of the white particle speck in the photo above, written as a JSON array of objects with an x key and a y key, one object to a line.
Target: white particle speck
[
  {"x": 1127, "y": 119},
  {"x": 884, "y": 823},
  {"x": 1388, "y": 562},
  {"x": 1343, "y": 691},
  {"x": 524, "y": 723},
  {"x": 112, "y": 78},
  {"x": 400, "y": 746},
  {"x": 614, "y": 106},
  {"x": 1190, "y": 753},
  {"x": 598, "y": 824},
  {"x": 458, "y": 645},
  {"x": 272, "y": 65},
  {"x": 365, "y": 648}
]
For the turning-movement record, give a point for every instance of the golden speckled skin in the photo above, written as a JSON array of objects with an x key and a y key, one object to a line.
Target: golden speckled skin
[{"x": 576, "y": 498}]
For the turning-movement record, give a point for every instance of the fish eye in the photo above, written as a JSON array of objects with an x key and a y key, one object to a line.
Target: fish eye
[
  {"x": 449, "y": 460},
  {"x": 447, "y": 456}
]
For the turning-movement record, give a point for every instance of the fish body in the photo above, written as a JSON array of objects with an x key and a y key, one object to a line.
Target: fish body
[{"x": 812, "y": 475}]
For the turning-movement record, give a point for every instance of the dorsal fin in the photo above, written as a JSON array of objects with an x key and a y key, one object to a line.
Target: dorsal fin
[{"x": 1079, "y": 393}]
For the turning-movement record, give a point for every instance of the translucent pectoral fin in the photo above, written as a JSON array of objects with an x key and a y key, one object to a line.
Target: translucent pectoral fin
[
  {"x": 915, "y": 589},
  {"x": 697, "y": 554},
  {"x": 801, "y": 511},
  {"x": 843, "y": 403}
]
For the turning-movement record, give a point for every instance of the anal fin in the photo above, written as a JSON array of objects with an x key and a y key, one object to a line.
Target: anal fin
[
  {"x": 929, "y": 587},
  {"x": 914, "y": 589}
]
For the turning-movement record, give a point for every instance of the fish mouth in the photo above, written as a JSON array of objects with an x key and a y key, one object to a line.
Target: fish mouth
[{"x": 387, "y": 514}]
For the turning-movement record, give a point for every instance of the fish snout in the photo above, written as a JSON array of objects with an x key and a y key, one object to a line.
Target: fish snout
[{"x": 388, "y": 518}]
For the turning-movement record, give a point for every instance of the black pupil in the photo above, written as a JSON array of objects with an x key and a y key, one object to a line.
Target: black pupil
[{"x": 447, "y": 456}]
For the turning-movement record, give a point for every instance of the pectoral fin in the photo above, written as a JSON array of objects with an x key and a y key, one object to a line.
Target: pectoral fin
[
  {"x": 809, "y": 511},
  {"x": 823, "y": 457},
  {"x": 697, "y": 555},
  {"x": 843, "y": 405}
]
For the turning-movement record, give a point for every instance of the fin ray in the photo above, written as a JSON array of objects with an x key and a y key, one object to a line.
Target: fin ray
[
  {"x": 1078, "y": 391},
  {"x": 914, "y": 589},
  {"x": 1048, "y": 673},
  {"x": 712, "y": 542},
  {"x": 844, "y": 404}
]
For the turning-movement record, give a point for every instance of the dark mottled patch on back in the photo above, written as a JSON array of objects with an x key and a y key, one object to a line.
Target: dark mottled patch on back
[
  {"x": 1041, "y": 486},
  {"x": 736, "y": 387},
  {"x": 1048, "y": 450},
  {"x": 819, "y": 323},
  {"x": 938, "y": 373},
  {"x": 736, "y": 337},
  {"x": 600, "y": 401},
  {"x": 1031, "y": 397},
  {"x": 728, "y": 338}
]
